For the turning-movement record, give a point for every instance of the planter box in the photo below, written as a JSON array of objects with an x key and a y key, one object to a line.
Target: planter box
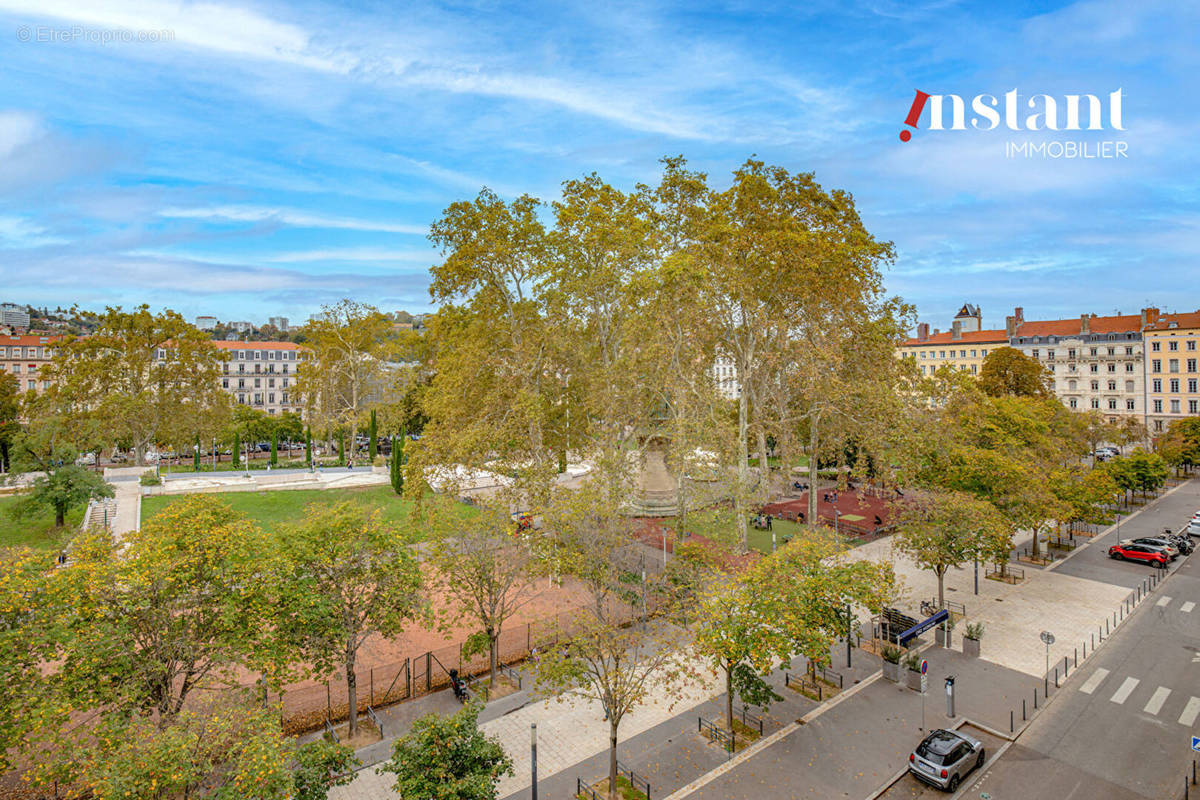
[
  {"x": 970, "y": 647},
  {"x": 891, "y": 671},
  {"x": 943, "y": 638},
  {"x": 913, "y": 681}
]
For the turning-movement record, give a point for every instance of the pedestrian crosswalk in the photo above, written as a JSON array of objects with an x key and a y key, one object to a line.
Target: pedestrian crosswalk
[
  {"x": 1161, "y": 698},
  {"x": 1164, "y": 600},
  {"x": 1187, "y": 607}
]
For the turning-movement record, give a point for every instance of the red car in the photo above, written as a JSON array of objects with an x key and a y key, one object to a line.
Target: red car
[{"x": 1145, "y": 553}]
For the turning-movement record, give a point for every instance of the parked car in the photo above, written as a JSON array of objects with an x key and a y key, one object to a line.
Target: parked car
[
  {"x": 944, "y": 758},
  {"x": 86, "y": 460},
  {"x": 1156, "y": 541},
  {"x": 1147, "y": 554},
  {"x": 1193, "y": 528}
]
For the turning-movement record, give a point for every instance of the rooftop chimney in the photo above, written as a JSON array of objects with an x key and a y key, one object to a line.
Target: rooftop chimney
[
  {"x": 1085, "y": 323},
  {"x": 922, "y": 331},
  {"x": 1149, "y": 316},
  {"x": 956, "y": 330}
]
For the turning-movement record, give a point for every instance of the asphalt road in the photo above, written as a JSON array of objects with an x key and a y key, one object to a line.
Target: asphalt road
[{"x": 1121, "y": 725}]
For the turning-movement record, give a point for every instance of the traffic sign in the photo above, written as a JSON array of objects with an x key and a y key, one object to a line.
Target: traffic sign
[
  {"x": 1196, "y": 743},
  {"x": 924, "y": 666},
  {"x": 1048, "y": 638}
]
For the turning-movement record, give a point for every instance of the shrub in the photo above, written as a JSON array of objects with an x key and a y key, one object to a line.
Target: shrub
[
  {"x": 913, "y": 660},
  {"x": 892, "y": 653},
  {"x": 150, "y": 478},
  {"x": 975, "y": 630}
]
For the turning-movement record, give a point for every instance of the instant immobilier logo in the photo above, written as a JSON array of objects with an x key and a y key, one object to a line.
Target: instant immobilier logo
[{"x": 1038, "y": 112}]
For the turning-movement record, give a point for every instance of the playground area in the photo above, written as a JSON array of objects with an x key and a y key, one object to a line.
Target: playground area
[{"x": 863, "y": 512}]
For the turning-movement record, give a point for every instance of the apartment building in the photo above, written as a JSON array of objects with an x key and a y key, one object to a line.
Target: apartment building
[
  {"x": 13, "y": 315},
  {"x": 963, "y": 347},
  {"x": 725, "y": 378},
  {"x": 206, "y": 323},
  {"x": 262, "y": 374},
  {"x": 1095, "y": 363},
  {"x": 23, "y": 357},
  {"x": 1172, "y": 344}
]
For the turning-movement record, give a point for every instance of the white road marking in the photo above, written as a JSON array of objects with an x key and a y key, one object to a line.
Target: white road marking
[
  {"x": 1187, "y": 607},
  {"x": 1162, "y": 601},
  {"x": 1157, "y": 699},
  {"x": 1092, "y": 682},
  {"x": 1190, "y": 712},
  {"x": 1122, "y": 694}
]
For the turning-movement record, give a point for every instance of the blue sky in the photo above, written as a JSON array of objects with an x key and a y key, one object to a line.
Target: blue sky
[{"x": 273, "y": 157}]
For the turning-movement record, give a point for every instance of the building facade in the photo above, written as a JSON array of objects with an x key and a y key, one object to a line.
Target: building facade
[
  {"x": 23, "y": 357},
  {"x": 262, "y": 375},
  {"x": 13, "y": 315},
  {"x": 963, "y": 347},
  {"x": 206, "y": 323},
  {"x": 725, "y": 378},
  {"x": 1095, "y": 363},
  {"x": 279, "y": 323},
  {"x": 1172, "y": 343}
]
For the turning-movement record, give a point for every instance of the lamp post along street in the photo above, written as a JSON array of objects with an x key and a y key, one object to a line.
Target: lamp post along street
[{"x": 533, "y": 756}]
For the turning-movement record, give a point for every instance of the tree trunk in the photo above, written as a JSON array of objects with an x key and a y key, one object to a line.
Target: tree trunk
[
  {"x": 764, "y": 469},
  {"x": 743, "y": 456},
  {"x": 729, "y": 696},
  {"x": 941, "y": 576},
  {"x": 351, "y": 692},
  {"x": 612, "y": 756},
  {"x": 812, "y": 473},
  {"x": 60, "y": 515},
  {"x": 493, "y": 646}
]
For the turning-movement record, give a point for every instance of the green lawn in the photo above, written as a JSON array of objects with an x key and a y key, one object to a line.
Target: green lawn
[
  {"x": 269, "y": 509},
  {"x": 720, "y": 526},
  {"x": 37, "y": 532}
]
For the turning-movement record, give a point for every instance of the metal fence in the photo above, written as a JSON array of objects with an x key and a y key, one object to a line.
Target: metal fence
[
  {"x": 716, "y": 734},
  {"x": 306, "y": 706}
]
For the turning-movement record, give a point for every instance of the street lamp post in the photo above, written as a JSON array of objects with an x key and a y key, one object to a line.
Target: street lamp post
[{"x": 533, "y": 756}]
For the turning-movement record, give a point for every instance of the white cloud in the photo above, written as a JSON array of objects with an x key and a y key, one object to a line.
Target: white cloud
[
  {"x": 292, "y": 217},
  {"x": 20, "y": 232},
  {"x": 209, "y": 26},
  {"x": 16, "y": 130},
  {"x": 354, "y": 254}
]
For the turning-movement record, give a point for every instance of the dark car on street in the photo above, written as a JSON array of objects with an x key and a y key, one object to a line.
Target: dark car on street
[
  {"x": 944, "y": 758},
  {"x": 1147, "y": 554}
]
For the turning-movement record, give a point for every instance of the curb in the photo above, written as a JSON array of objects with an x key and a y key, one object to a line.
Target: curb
[
  {"x": 1008, "y": 741},
  {"x": 1111, "y": 528},
  {"x": 766, "y": 742}
]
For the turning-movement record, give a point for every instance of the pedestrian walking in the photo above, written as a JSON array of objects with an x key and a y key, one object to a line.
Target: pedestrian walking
[{"x": 768, "y": 522}]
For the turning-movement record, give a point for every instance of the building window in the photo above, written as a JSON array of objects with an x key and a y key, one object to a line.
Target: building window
[
  {"x": 1129, "y": 367},
  {"x": 1112, "y": 351},
  {"x": 1128, "y": 351},
  {"x": 271, "y": 398},
  {"x": 1050, "y": 354},
  {"x": 1193, "y": 405},
  {"x": 242, "y": 399},
  {"x": 1112, "y": 405},
  {"x": 1156, "y": 385},
  {"x": 1072, "y": 403},
  {"x": 1158, "y": 424},
  {"x": 1173, "y": 365},
  {"x": 1112, "y": 367},
  {"x": 1191, "y": 385},
  {"x": 1129, "y": 404},
  {"x": 1174, "y": 406},
  {"x": 1172, "y": 345},
  {"x": 1071, "y": 353},
  {"x": 1158, "y": 408},
  {"x": 1112, "y": 386},
  {"x": 1156, "y": 365},
  {"x": 1155, "y": 346},
  {"x": 1174, "y": 385},
  {"x": 972, "y": 354},
  {"x": 1191, "y": 365},
  {"x": 1191, "y": 345},
  {"x": 1095, "y": 403},
  {"x": 1093, "y": 351},
  {"x": 224, "y": 383},
  {"x": 1071, "y": 385},
  {"x": 1034, "y": 353},
  {"x": 983, "y": 353},
  {"x": 1095, "y": 367},
  {"x": 941, "y": 353},
  {"x": 1129, "y": 386},
  {"x": 1095, "y": 386},
  {"x": 973, "y": 369}
]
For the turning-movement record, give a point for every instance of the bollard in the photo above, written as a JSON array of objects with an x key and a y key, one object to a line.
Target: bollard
[
  {"x": 1010, "y": 730},
  {"x": 1023, "y": 717},
  {"x": 1106, "y": 626},
  {"x": 1077, "y": 656},
  {"x": 1035, "y": 698},
  {"x": 1084, "y": 653}
]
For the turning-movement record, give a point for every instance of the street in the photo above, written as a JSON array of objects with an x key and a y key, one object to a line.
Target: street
[{"x": 1121, "y": 726}]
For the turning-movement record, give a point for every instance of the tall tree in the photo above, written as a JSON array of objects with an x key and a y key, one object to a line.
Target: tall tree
[
  {"x": 1008, "y": 371},
  {"x": 141, "y": 377},
  {"x": 944, "y": 530},
  {"x": 372, "y": 434},
  {"x": 483, "y": 567},
  {"x": 345, "y": 574},
  {"x": 62, "y": 488},
  {"x": 346, "y": 371},
  {"x": 9, "y": 420}
]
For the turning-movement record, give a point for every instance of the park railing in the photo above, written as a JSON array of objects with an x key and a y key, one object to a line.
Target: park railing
[
  {"x": 716, "y": 733},
  {"x": 751, "y": 721},
  {"x": 636, "y": 781},
  {"x": 378, "y": 722},
  {"x": 307, "y": 705}
]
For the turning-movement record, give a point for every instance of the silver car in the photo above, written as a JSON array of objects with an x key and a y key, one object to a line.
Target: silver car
[{"x": 944, "y": 758}]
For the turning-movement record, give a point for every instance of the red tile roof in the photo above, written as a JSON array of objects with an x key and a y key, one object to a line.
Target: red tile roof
[
  {"x": 968, "y": 337},
  {"x": 1186, "y": 320},
  {"x": 28, "y": 340},
  {"x": 1071, "y": 327}
]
